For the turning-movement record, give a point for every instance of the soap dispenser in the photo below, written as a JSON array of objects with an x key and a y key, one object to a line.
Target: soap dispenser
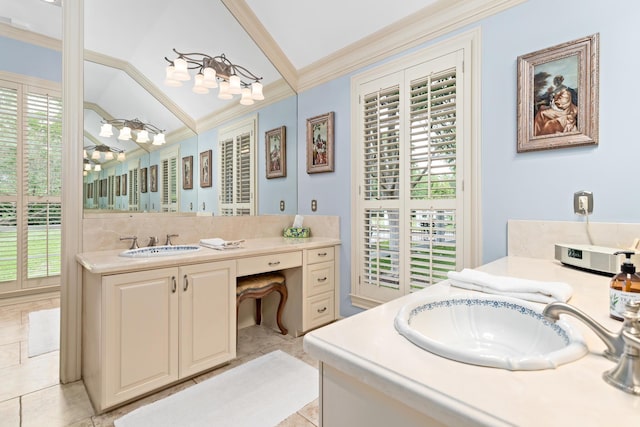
[{"x": 625, "y": 286}]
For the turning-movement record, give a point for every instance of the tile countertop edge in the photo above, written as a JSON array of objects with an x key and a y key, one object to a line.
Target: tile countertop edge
[
  {"x": 109, "y": 262},
  {"x": 422, "y": 398}
]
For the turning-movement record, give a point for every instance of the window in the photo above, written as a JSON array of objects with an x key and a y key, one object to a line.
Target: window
[
  {"x": 133, "y": 190},
  {"x": 169, "y": 176},
  {"x": 411, "y": 140},
  {"x": 236, "y": 170},
  {"x": 30, "y": 185}
]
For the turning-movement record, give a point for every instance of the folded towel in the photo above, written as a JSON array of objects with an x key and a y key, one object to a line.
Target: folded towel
[
  {"x": 531, "y": 290},
  {"x": 220, "y": 244}
]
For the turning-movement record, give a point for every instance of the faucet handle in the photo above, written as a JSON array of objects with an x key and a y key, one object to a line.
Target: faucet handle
[
  {"x": 153, "y": 240},
  {"x": 134, "y": 241},
  {"x": 169, "y": 236}
]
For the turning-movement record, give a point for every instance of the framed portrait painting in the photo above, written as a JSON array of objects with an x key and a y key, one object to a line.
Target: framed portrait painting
[
  {"x": 143, "y": 180},
  {"x": 276, "y": 152},
  {"x": 558, "y": 96},
  {"x": 205, "y": 169},
  {"x": 153, "y": 178},
  {"x": 320, "y": 143},
  {"x": 124, "y": 184},
  {"x": 187, "y": 173},
  {"x": 117, "y": 185}
]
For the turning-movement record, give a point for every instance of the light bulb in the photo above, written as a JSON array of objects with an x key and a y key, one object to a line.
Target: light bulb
[
  {"x": 246, "y": 97},
  {"x": 170, "y": 79},
  {"x": 108, "y": 155},
  {"x": 181, "y": 70},
  {"x": 210, "y": 78},
  {"x": 224, "y": 91},
  {"x": 234, "y": 85},
  {"x": 158, "y": 139},
  {"x": 106, "y": 130},
  {"x": 143, "y": 136},
  {"x": 97, "y": 168},
  {"x": 125, "y": 133},
  {"x": 198, "y": 84},
  {"x": 95, "y": 155}
]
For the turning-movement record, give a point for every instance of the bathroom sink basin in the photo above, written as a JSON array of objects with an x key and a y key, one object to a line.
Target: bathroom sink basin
[
  {"x": 492, "y": 331},
  {"x": 154, "y": 251}
]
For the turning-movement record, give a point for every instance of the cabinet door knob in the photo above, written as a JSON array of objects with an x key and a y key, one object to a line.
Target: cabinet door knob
[
  {"x": 174, "y": 285},
  {"x": 322, "y": 310},
  {"x": 186, "y": 283}
]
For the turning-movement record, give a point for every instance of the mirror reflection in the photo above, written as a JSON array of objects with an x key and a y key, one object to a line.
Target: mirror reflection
[{"x": 213, "y": 159}]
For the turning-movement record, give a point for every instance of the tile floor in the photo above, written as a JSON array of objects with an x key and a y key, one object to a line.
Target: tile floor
[{"x": 30, "y": 393}]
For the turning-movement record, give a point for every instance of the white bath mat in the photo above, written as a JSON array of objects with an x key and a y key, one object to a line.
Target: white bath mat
[
  {"x": 44, "y": 331},
  {"x": 261, "y": 392}
]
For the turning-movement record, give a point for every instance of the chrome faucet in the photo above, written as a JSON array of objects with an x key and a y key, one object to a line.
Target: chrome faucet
[
  {"x": 613, "y": 341},
  {"x": 623, "y": 347},
  {"x": 134, "y": 241},
  {"x": 152, "y": 241},
  {"x": 169, "y": 236}
]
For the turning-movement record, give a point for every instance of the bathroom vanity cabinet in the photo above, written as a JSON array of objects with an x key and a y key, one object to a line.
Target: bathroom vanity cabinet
[
  {"x": 146, "y": 329},
  {"x": 150, "y": 322}
]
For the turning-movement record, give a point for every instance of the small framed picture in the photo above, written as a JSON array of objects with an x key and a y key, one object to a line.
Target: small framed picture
[
  {"x": 205, "y": 169},
  {"x": 558, "y": 96},
  {"x": 124, "y": 184},
  {"x": 276, "y": 152},
  {"x": 143, "y": 180},
  {"x": 187, "y": 173},
  {"x": 153, "y": 178},
  {"x": 117, "y": 185},
  {"x": 320, "y": 143}
]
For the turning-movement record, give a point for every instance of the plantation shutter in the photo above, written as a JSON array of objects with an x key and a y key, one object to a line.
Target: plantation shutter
[
  {"x": 237, "y": 170},
  {"x": 134, "y": 190},
  {"x": 43, "y": 156},
  {"x": 408, "y": 199},
  {"x": 169, "y": 176},
  {"x": 8, "y": 182}
]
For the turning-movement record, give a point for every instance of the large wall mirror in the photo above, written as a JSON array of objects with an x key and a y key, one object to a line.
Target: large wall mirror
[{"x": 123, "y": 75}]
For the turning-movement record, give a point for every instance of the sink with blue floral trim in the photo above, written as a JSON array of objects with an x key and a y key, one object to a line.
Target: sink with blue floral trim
[
  {"x": 154, "y": 251},
  {"x": 494, "y": 331}
]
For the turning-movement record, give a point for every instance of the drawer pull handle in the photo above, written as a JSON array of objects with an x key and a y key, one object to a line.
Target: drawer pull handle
[
  {"x": 186, "y": 283},
  {"x": 272, "y": 263},
  {"x": 322, "y": 310},
  {"x": 322, "y": 279},
  {"x": 322, "y": 254},
  {"x": 174, "y": 286}
]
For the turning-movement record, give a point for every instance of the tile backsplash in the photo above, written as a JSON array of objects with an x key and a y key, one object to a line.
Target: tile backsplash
[
  {"x": 102, "y": 231},
  {"x": 536, "y": 239}
]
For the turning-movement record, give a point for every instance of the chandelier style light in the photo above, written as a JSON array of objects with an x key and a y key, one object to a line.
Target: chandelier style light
[
  {"x": 214, "y": 72},
  {"x": 104, "y": 152},
  {"x": 140, "y": 130}
]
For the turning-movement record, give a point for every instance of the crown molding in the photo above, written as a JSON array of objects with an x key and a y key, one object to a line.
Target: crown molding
[
  {"x": 273, "y": 92},
  {"x": 30, "y": 37},
  {"x": 263, "y": 39},
  {"x": 427, "y": 24}
]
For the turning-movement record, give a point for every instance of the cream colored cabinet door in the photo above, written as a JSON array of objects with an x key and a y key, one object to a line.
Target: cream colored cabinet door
[
  {"x": 140, "y": 318},
  {"x": 207, "y": 316}
]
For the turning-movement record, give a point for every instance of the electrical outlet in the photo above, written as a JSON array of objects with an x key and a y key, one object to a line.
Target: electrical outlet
[
  {"x": 583, "y": 202},
  {"x": 314, "y": 205},
  {"x": 281, "y": 205}
]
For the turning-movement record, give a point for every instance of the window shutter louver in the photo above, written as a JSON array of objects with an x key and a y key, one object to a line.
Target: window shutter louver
[
  {"x": 133, "y": 190},
  {"x": 8, "y": 142},
  {"x": 236, "y": 170}
]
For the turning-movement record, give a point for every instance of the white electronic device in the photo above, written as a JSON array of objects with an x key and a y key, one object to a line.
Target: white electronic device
[{"x": 595, "y": 258}]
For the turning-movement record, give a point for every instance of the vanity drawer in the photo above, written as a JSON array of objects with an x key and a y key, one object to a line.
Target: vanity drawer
[
  {"x": 319, "y": 310},
  {"x": 320, "y": 278},
  {"x": 265, "y": 263},
  {"x": 320, "y": 255}
]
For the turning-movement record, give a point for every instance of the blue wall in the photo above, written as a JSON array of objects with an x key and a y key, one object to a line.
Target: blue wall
[
  {"x": 533, "y": 185},
  {"x": 30, "y": 60}
]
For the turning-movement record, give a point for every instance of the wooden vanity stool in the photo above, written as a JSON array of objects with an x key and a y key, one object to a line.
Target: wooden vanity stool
[{"x": 259, "y": 286}]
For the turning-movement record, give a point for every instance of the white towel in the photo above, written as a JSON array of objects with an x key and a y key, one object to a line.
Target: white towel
[
  {"x": 220, "y": 244},
  {"x": 531, "y": 290}
]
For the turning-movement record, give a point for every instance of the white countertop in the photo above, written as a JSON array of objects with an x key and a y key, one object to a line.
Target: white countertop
[
  {"x": 367, "y": 347},
  {"x": 109, "y": 262}
]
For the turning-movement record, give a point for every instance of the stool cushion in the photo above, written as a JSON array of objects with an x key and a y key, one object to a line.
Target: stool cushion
[{"x": 258, "y": 281}]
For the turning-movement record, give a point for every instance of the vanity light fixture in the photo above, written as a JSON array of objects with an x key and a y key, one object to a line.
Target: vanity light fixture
[
  {"x": 141, "y": 130},
  {"x": 214, "y": 72},
  {"x": 107, "y": 153},
  {"x": 88, "y": 166}
]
